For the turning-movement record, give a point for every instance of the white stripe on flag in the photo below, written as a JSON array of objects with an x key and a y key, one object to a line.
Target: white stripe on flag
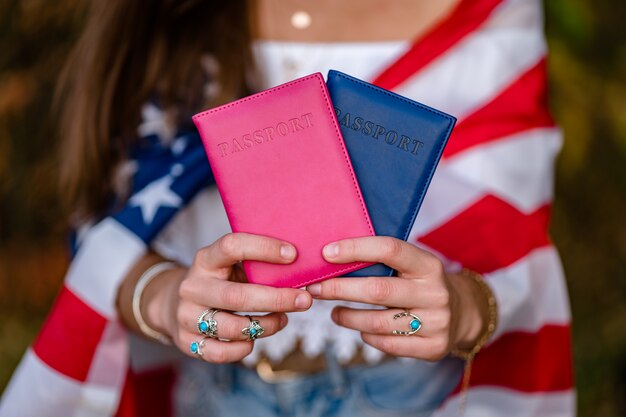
[
  {"x": 480, "y": 66},
  {"x": 530, "y": 293},
  {"x": 106, "y": 254},
  {"x": 519, "y": 168},
  {"x": 447, "y": 196},
  {"x": 498, "y": 402},
  {"x": 110, "y": 360},
  {"x": 37, "y": 390}
]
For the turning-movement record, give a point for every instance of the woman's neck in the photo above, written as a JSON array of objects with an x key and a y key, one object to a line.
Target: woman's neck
[{"x": 346, "y": 20}]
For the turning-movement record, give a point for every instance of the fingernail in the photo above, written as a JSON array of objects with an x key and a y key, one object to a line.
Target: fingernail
[
  {"x": 302, "y": 301},
  {"x": 283, "y": 320},
  {"x": 314, "y": 289},
  {"x": 287, "y": 252},
  {"x": 331, "y": 250}
]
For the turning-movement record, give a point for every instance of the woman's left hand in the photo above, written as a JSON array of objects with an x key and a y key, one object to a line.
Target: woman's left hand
[{"x": 449, "y": 307}]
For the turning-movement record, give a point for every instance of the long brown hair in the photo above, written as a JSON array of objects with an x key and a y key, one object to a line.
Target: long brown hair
[{"x": 129, "y": 52}]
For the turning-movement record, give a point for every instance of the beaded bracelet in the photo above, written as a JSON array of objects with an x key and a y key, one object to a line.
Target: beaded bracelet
[
  {"x": 469, "y": 354},
  {"x": 142, "y": 283}
]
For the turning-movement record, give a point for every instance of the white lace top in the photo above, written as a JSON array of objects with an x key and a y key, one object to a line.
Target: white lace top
[{"x": 204, "y": 220}]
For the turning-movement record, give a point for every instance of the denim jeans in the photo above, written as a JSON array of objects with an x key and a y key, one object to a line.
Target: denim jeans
[{"x": 399, "y": 387}]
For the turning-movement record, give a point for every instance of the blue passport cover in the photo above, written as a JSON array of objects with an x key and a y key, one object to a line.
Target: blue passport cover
[{"x": 395, "y": 145}]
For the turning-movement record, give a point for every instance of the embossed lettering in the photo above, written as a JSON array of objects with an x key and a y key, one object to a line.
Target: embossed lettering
[
  {"x": 265, "y": 134},
  {"x": 404, "y": 141},
  {"x": 223, "y": 147},
  {"x": 394, "y": 137},
  {"x": 417, "y": 147},
  {"x": 247, "y": 140},
  {"x": 367, "y": 129},
  {"x": 236, "y": 146},
  {"x": 380, "y": 130},
  {"x": 345, "y": 120},
  {"x": 295, "y": 123},
  {"x": 282, "y": 128},
  {"x": 258, "y": 136},
  {"x": 308, "y": 117},
  {"x": 376, "y": 131},
  {"x": 268, "y": 131}
]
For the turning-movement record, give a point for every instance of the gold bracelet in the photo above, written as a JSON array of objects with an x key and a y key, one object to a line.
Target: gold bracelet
[
  {"x": 141, "y": 285},
  {"x": 469, "y": 354}
]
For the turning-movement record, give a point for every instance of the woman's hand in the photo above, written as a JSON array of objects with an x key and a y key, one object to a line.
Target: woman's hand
[
  {"x": 174, "y": 303},
  {"x": 452, "y": 308}
]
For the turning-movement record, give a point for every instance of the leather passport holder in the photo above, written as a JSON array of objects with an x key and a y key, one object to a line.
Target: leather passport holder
[
  {"x": 395, "y": 145},
  {"x": 282, "y": 170}
]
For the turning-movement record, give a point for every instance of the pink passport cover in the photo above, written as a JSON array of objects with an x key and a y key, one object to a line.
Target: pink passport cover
[{"x": 282, "y": 169}]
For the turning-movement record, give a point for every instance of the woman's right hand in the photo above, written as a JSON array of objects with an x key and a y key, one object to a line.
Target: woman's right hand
[{"x": 214, "y": 282}]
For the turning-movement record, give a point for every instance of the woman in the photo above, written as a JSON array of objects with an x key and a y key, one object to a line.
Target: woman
[{"x": 481, "y": 61}]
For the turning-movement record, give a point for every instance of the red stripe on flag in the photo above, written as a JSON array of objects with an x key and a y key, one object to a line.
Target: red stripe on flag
[
  {"x": 463, "y": 20},
  {"x": 490, "y": 235},
  {"x": 521, "y": 106},
  {"x": 148, "y": 394},
  {"x": 528, "y": 362},
  {"x": 128, "y": 404},
  {"x": 69, "y": 336}
]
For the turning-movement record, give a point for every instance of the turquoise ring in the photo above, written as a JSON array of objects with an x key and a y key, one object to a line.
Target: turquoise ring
[
  {"x": 208, "y": 325},
  {"x": 414, "y": 325},
  {"x": 254, "y": 329},
  {"x": 196, "y": 347}
]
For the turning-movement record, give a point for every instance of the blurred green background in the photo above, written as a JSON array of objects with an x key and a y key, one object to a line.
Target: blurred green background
[{"x": 588, "y": 91}]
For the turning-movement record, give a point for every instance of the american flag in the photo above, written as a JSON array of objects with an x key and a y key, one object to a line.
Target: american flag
[{"x": 487, "y": 209}]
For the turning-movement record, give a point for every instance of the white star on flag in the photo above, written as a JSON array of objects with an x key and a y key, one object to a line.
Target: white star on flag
[
  {"x": 179, "y": 145},
  {"x": 155, "y": 121},
  {"x": 157, "y": 194}
]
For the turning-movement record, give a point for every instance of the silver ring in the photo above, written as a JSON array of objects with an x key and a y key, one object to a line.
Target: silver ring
[
  {"x": 415, "y": 325},
  {"x": 254, "y": 329},
  {"x": 196, "y": 347},
  {"x": 208, "y": 326}
]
